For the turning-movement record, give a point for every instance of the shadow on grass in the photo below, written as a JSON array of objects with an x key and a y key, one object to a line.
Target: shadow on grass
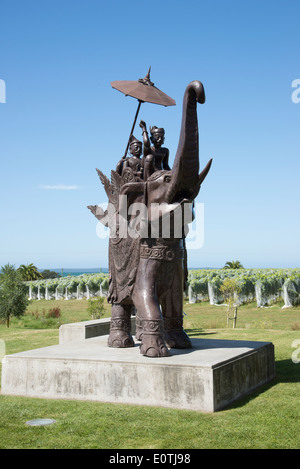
[
  {"x": 198, "y": 332},
  {"x": 287, "y": 371}
]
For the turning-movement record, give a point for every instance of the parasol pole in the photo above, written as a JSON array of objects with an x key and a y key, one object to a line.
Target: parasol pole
[{"x": 132, "y": 129}]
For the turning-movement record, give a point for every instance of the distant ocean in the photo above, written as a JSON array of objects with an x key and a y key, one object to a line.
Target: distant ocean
[{"x": 64, "y": 272}]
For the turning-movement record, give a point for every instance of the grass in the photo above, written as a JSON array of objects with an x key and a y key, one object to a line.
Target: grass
[
  {"x": 71, "y": 310},
  {"x": 267, "y": 419},
  {"x": 249, "y": 316}
]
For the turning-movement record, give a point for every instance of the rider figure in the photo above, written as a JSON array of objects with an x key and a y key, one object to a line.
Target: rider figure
[{"x": 155, "y": 156}]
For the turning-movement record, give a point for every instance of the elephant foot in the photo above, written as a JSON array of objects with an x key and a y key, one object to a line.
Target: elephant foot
[
  {"x": 120, "y": 339},
  {"x": 177, "y": 339},
  {"x": 175, "y": 336},
  {"x": 120, "y": 336},
  {"x": 154, "y": 346},
  {"x": 153, "y": 343}
]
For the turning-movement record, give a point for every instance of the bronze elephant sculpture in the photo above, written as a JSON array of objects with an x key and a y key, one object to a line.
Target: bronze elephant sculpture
[{"x": 148, "y": 269}]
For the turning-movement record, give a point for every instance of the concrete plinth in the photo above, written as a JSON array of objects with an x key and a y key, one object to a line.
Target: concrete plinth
[
  {"x": 208, "y": 377},
  {"x": 87, "y": 329}
]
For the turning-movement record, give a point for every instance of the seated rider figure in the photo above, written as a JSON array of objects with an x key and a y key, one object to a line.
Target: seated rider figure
[
  {"x": 133, "y": 162},
  {"x": 155, "y": 156}
]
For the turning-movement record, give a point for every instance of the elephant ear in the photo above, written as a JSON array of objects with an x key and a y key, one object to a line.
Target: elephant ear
[
  {"x": 110, "y": 189},
  {"x": 116, "y": 180}
]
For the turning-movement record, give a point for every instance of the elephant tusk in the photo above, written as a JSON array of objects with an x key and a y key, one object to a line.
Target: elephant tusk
[{"x": 205, "y": 171}]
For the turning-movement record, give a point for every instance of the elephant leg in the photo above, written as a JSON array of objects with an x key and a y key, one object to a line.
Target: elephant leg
[
  {"x": 175, "y": 336},
  {"x": 153, "y": 343},
  {"x": 149, "y": 316},
  {"x": 139, "y": 328},
  {"x": 120, "y": 325},
  {"x": 172, "y": 302}
]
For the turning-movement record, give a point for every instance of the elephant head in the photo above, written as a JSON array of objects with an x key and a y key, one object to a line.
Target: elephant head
[{"x": 180, "y": 185}]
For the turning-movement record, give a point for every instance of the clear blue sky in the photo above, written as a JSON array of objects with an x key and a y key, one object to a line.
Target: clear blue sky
[{"x": 62, "y": 119}]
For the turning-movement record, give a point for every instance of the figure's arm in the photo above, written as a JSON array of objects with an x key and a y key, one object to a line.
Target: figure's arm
[
  {"x": 166, "y": 160},
  {"x": 146, "y": 140},
  {"x": 120, "y": 166}
]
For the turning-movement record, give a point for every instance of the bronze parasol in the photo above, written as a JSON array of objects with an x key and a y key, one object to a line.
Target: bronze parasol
[{"x": 145, "y": 91}]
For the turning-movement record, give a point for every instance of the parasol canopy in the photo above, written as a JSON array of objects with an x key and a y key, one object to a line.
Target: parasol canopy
[{"x": 145, "y": 91}]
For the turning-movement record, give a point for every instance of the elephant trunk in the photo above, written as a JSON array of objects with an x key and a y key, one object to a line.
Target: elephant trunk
[{"x": 185, "y": 178}]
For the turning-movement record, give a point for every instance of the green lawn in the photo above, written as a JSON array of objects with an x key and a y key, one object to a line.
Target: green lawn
[
  {"x": 208, "y": 316},
  {"x": 269, "y": 418}
]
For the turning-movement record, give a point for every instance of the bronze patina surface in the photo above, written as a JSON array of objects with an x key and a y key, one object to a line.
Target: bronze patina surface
[{"x": 147, "y": 267}]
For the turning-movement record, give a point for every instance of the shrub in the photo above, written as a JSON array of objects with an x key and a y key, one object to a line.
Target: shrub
[
  {"x": 54, "y": 313},
  {"x": 96, "y": 307}
]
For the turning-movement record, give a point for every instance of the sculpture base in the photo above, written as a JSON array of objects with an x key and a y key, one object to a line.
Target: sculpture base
[{"x": 207, "y": 377}]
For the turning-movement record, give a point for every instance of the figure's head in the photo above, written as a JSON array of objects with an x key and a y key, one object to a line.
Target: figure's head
[
  {"x": 157, "y": 135},
  {"x": 135, "y": 147}
]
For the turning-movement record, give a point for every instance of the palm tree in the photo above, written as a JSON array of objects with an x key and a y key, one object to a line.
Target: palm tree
[
  {"x": 29, "y": 272},
  {"x": 233, "y": 265}
]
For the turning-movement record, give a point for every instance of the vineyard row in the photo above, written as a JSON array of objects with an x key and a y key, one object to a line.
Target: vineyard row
[{"x": 265, "y": 286}]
